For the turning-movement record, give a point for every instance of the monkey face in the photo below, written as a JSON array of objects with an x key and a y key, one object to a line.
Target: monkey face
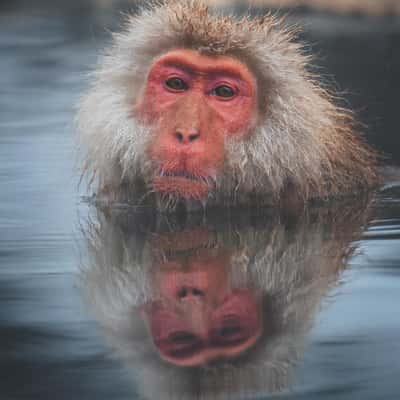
[
  {"x": 198, "y": 317},
  {"x": 196, "y": 102}
]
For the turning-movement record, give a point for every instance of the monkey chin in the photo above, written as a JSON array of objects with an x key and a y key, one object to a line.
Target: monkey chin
[{"x": 182, "y": 187}]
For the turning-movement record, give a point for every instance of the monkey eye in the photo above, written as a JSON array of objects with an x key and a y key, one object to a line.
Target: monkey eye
[
  {"x": 176, "y": 84},
  {"x": 223, "y": 91},
  {"x": 229, "y": 330}
]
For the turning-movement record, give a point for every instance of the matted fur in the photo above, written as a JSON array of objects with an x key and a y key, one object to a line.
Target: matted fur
[{"x": 303, "y": 143}]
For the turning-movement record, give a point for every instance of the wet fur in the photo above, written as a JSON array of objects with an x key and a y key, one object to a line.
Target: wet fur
[{"x": 303, "y": 145}]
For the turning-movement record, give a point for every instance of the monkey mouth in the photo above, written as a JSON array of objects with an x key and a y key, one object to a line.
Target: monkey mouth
[{"x": 182, "y": 184}]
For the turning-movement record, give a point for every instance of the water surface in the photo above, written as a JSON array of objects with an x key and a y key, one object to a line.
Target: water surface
[{"x": 53, "y": 340}]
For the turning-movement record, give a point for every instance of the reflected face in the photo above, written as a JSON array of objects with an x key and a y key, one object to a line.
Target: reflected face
[{"x": 198, "y": 317}]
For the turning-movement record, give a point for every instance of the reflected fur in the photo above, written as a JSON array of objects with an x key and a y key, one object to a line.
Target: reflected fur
[{"x": 292, "y": 268}]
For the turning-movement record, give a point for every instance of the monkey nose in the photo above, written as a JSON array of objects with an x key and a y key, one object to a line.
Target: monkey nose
[
  {"x": 186, "y": 136},
  {"x": 187, "y": 292}
]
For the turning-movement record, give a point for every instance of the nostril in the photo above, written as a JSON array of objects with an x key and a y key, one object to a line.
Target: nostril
[
  {"x": 193, "y": 137},
  {"x": 197, "y": 292},
  {"x": 179, "y": 136},
  {"x": 186, "y": 137},
  {"x": 182, "y": 293}
]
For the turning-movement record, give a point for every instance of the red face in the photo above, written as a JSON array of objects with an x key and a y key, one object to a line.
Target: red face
[
  {"x": 199, "y": 317},
  {"x": 196, "y": 102}
]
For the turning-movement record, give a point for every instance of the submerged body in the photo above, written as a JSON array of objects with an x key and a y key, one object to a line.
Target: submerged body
[{"x": 191, "y": 107}]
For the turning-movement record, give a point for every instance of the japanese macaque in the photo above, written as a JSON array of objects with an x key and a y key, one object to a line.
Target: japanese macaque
[
  {"x": 191, "y": 107},
  {"x": 214, "y": 309}
]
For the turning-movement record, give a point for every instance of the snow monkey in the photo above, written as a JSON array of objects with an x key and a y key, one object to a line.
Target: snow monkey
[{"x": 191, "y": 107}]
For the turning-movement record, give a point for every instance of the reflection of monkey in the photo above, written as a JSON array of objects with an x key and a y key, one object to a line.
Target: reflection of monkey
[
  {"x": 190, "y": 106},
  {"x": 197, "y": 316},
  {"x": 163, "y": 296}
]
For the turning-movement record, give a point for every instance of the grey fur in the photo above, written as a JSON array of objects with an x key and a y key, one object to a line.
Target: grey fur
[{"x": 302, "y": 142}]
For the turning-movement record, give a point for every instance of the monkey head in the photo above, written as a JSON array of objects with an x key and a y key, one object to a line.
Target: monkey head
[
  {"x": 197, "y": 316},
  {"x": 189, "y": 106}
]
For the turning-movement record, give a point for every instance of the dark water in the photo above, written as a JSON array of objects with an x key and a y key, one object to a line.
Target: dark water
[{"x": 83, "y": 293}]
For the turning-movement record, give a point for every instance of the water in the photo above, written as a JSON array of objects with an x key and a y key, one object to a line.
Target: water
[{"x": 76, "y": 320}]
